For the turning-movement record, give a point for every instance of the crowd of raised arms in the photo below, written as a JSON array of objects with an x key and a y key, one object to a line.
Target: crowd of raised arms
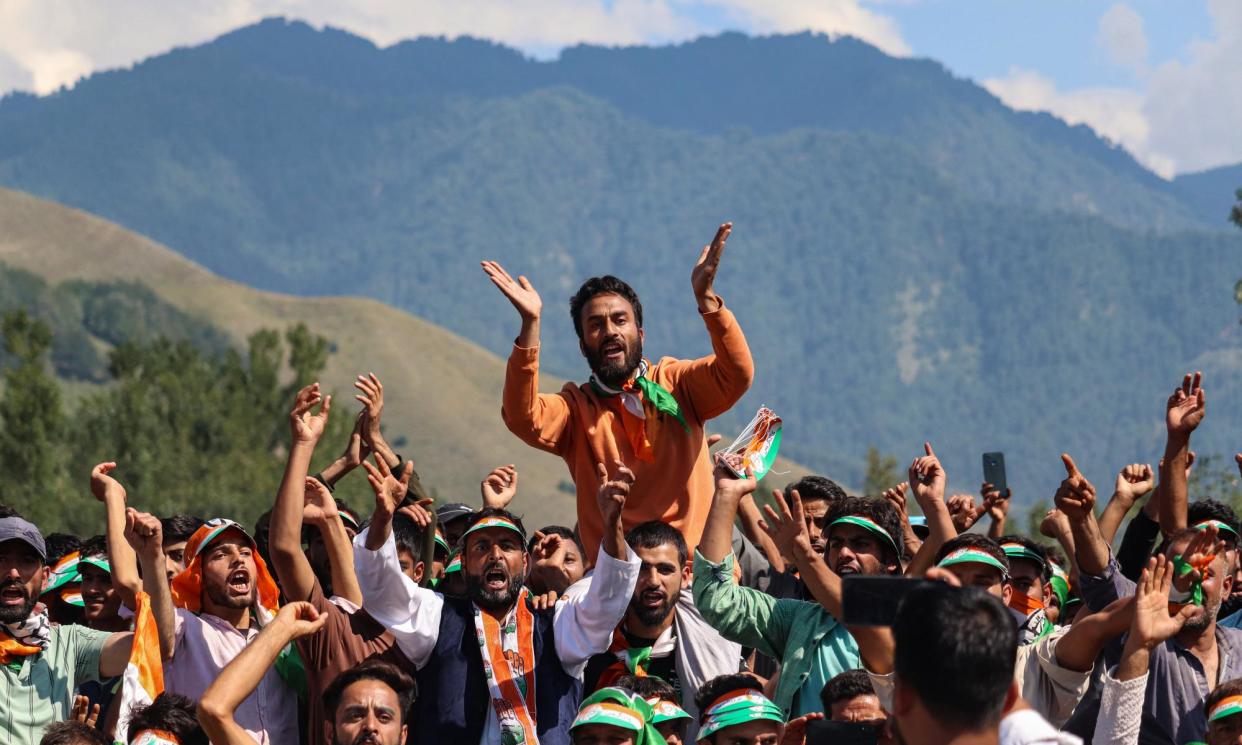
[{"x": 668, "y": 609}]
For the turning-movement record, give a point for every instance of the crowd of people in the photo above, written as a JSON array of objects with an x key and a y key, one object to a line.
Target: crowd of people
[{"x": 669, "y": 609}]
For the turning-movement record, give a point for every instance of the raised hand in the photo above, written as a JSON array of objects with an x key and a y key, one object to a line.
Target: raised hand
[
  {"x": 371, "y": 397},
  {"x": 795, "y": 730},
  {"x": 963, "y": 511},
  {"x": 730, "y": 487},
  {"x": 545, "y": 601},
  {"x": 419, "y": 512},
  {"x": 704, "y": 274},
  {"x": 319, "y": 506},
  {"x": 520, "y": 291},
  {"x": 995, "y": 504},
  {"x": 786, "y": 525},
  {"x": 389, "y": 490},
  {"x": 500, "y": 486},
  {"x": 897, "y": 498},
  {"x": 1152, "y": 624},
  {"x": 145, "y": 534},
  {"x": 104, "y": 486},
  {"x": 1134, "y": 482},
  {"x": 83, "y": 712},
  {"x": 305, "y": 426},
  {"x": 1202, "y": 549},
  {"x": 300, "y": 619},
  {"x": 927, "y": 477},
  {"x": 357, "y": 450},
  {"x": 1076, "y": 496},
  {"x": 1055, "y": 525},
  {"x": 613, "y": 492},
  {"x": 1186, "y": 406}
]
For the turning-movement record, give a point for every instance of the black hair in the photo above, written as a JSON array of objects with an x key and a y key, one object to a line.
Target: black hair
[
  {"x": 475, "y": 517},
  {"x": 372, "y": 669},
  {"x": 1027, "y": 543},
  {"x": 96, "y": 545},
  {"x": 817, "y": 489},
  {"x": 977, "y": 542},
  {"x": 60, "y": 545},
  {"x": 179, "y": 527},
  {"x": 648, "y": 687},
  {"x": 722, "y": 684},
  {"x": 408, "y": 536},
  {"x": 606, "y": 285},
  {"x": 564, "y": 532},
  {"x": 879, "y": 511},
  {"x": 171, "y": 712},
  {"x": 845, "y": 686},
  {"x": 7, "y": 511},
  {"x": 73, "y": 733},
  {"x": 956, "y": 648},
  {"x": 345, "y": 509},
  {"x": 653, "y": 534},
  {"x": 1210, "y": 509}
]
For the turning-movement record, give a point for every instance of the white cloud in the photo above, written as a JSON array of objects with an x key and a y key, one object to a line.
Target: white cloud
[
  {"x": 55, "y": 42},
  {"x": 1182, "y": 117},
  {"x": 1122, "y": 37}
]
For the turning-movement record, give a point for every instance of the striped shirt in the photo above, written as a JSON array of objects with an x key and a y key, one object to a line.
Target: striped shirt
[{"x": 40, "y": 690}]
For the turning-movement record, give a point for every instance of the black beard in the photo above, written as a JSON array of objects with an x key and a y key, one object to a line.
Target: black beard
[
  {"x": 615, "y": 376},
  {"x": 489, "y": 600},
  {"x": 1201, "y": 621},
  {"x": 222, "y": 597},
  {"x": 17, "y": 614},
  {"x": 652, "y": 616}
]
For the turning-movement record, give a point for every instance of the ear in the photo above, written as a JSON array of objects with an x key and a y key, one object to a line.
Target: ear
[
  {"x": 1012, "y": 699},
  {"x": 420, "y": 570},
  {"x": 1226, "y": 585},
  {"x": 582, "y": 347},
  {"x": 47, "y": 574},
  {"x": 903, "y": 700},
  {"x": 329, "y": 731},
  {"x": 1048, "y": 594},
  {"x": 686, "y": 575},
  {"x": 641, "y": 334},
  {"x": 1006, "y": 592}
]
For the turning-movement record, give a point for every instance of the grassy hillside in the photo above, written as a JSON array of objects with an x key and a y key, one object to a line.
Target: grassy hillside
[{"x": 443, "y": 393}]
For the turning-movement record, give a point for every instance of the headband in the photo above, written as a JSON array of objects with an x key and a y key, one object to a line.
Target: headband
[
  {"x": 187, "y": 585},
  {"x": 973, "y": 556},
  {"x": 65, "y": 572},
  {"x": 99, "y": 562},
  {"x": 869, "y": 524},
  {"x": 495, "y": 521},
  {"x": 454, "y": 563},
  {"x": 666, "y": 711},
  {"x": 1220, "y": 526},
  {"x": 1226, "y": 707},
  {"x": 738, "y": 707},
  {"x": 1018, "y": 551},
  {"x": 617, "y": 707},
  {"x": 155, "y": 737},
  {"x": 441, "y": 543}
]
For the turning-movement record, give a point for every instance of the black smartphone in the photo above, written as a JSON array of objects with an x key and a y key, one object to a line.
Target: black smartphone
[
  {"x": 873, "y": 599},
  {"x": 994, "y": 472},
  {"x": 824, "y": 732}
]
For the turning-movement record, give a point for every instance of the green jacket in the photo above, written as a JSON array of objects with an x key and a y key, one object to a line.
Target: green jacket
[{"x": 793, "y": 632}]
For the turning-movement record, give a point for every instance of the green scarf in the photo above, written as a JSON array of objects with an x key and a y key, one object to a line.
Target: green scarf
[{"x": 651, "y": 391}]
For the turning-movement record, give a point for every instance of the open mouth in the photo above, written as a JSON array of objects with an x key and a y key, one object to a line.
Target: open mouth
[
  {"x": 12, "y": 595},
  {"x": 239, "y": 582},
  {"x": 613, "y": 351},
  {"x": 495, "y": 579},
  {"x": 651, "y": 599},
  {"x": 847, "y": 569},
  {"x": 93, "y": 601}
]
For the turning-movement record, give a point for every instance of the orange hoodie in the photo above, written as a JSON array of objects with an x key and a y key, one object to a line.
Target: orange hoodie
[{"x": 676, "y": 486}]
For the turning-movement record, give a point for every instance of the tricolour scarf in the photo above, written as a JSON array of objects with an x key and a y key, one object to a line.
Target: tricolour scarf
[
  {"x": 27, "y": 637},
  {"x": 633, "y": 414},
  {"x": 508, "y": 649},
  {"x": 632, "y": 660}
]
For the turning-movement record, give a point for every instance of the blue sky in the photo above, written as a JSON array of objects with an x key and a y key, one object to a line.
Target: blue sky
[{"x": 1156, "y": 76}]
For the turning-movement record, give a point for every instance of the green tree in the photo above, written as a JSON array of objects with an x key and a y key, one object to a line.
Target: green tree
[
  {"x": 1216, "y": 477},
  {"x": 32, "y": 421},
  {"x": 881, "y": 472}
]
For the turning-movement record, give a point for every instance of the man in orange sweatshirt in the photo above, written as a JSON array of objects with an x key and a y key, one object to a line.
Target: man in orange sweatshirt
[{"x": 632, "y": 413}]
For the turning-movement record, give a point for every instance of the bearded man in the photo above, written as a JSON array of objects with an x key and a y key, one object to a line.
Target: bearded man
[
  {"x": 494, "y": 667},
  {"x": 648, "y": 416}
]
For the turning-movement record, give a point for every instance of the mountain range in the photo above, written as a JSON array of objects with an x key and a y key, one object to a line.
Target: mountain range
[{"x": 911, "y": 259}]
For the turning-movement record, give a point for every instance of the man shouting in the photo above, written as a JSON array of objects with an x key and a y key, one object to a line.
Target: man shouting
[{"x": 648, "y": 416}]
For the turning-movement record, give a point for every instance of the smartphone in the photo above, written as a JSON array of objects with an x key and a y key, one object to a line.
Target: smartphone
[
  {"x": 873, "y": 599},
  {"x": 994, "y": 471},
  {"x": 825, "y": 732}
]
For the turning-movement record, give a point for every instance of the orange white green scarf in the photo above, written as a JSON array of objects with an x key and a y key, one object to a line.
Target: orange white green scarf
[{"x": 508, "y": 649}]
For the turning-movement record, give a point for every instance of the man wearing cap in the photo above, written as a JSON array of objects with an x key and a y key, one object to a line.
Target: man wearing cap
[
  {"x": 615, "y": 716},
  {"x": 1032, "y": 593},
  {"x": 670, "y": 720},
  {"x": 211, "y": 611},
  {"x": 734, "y": 709},
  {"x": 41, "y": 664},
  {"x": 649, "y": 416},
  {"x": 348, "y": 635},
  {"x": 494, "y": 668},
  {"x": 452, "y": 519}
]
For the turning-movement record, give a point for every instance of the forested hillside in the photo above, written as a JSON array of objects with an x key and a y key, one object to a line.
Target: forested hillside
[{"x": 910, "y": 258}]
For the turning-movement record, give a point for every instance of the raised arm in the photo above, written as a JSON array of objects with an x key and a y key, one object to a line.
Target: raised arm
[
  {"x": 896, "y": 496},
  {"x": 144, "y": 533},
  {"x": 1076, "y": 500},
  {"x": 787, "y": 526},
  {"x": 371, "y": 395},
  {"x": 1183, "y": 413},
  {"x": 356, "y": 451},
  {"x": 1134, "y": 482},
  {"x": 243, "y": 674},
  {"x": 1056, "y": 526},
  {"x": 120, "y": 555},
  {"x": 539, "y": 420},
  {"x": 585, "y": 622},
  {"x": 928, "y": 479},
  {"x": 996, "y": 506},
  {"x": 499, "y": 488},
  {"x": 321, "y": 512},
  {"x": 714, "y": 383},
  {"x": 292, "y": 567}
]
